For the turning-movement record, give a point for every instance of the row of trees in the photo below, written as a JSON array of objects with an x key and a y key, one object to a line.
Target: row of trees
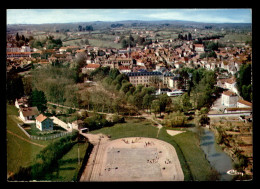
[
  {"x": 185, "y": 37},
  {"x": 130, "y": 41},
  {"x": 87, "y": 28},
  {"x": 47, "y": 160},
  {"x": 244, "y": 84}
]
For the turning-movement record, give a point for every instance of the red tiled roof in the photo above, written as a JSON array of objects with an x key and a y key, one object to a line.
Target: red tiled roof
[
  {"x": 41, "y": 118},
  {"x": 231, "y": 80},
  {"x": 29, "y": 111},
  {"x": 198, "y": 45},
  {"x": 237, "y": 109},
  {"x": 229, "y": 93},
  {"x": 92, "y": 66},
  {"x": 245, "y": 102},
  {"x": 124, "y": 68}
]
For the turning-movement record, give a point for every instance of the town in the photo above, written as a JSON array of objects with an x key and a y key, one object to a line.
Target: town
[{"x": 93, "y": 82}]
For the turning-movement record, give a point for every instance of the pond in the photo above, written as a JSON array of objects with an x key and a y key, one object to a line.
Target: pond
[{"x": 215, "y": 155}]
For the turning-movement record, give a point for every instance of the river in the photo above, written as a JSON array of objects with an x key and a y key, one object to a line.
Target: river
[{"x": 215, "y": 155}]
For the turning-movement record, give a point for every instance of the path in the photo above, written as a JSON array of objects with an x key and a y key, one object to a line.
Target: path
[
  {"x": 25, "y": 139},
  {"x": 149, "y": 117}
]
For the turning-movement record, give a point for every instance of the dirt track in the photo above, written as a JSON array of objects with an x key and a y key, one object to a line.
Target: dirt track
[
  {"x": 25, "y": 139},
  {"x": 132, "y": 159}
]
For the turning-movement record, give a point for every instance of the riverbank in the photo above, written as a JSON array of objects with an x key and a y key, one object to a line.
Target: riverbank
[{"x": 235, "y": 139}]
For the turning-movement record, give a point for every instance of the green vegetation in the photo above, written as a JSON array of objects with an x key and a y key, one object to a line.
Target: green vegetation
[
  {"x": 243, "y": 78},
  {"x": 57, "y": 83},
  {"x": 14, "y": 87},
  {"x": 38, "y": 99},
  {"x": 132, "y": 128},
  {"x": 46, "y": 161},
  {"x": 199, "y": 166}
]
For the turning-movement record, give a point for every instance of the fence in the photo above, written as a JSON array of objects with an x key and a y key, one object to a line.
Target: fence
[{"x": 44, "y": 137}]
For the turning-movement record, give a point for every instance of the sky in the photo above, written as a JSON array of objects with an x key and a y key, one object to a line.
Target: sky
[{"x": 41, "y": 16}]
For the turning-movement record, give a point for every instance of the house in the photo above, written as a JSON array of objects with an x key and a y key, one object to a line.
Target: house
[
  {"x": 90, "y": 67},
  {"x": 44, "y": 123},
  {"x": 22, "y": 102},
  {"x": 124, "y": 69},
  {"x": 199, "y": 48},
  {"x": 229, "y": 99},
  {"x": 231, "y": 84},
  {"x": 28, "y": 113}
]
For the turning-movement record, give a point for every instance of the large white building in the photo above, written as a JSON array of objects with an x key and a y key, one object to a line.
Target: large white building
[{"x": 229, "y": 99}]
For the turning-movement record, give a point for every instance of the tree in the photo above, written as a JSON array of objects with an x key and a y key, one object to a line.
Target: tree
[
  {"x": 38, "y": 99},
  {"x": 17, "y": 37},
  {"x": 113, "y": 73},
  {"x": 126, "y": 87},
  {"x": 156, "y": 107},
  {"x": 189, "y": 37},
  {"x": 147, "y": 101},
  {"x": 89, "y": 28},
  {"x": 186, "y": 104},
  {"x": 243, "y": 79},
  {"x": 175, "y": 119},
  {"x": 80, "y": 28},
  {"x": 164, "y": 100},
  {"x": 14, "y": 86}
]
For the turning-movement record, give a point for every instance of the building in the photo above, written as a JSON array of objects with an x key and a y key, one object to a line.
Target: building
[
  {"x": 247, "y": 111},
  {"x": 167, "y": 77},
  {"x": 22, "y": 102},
  {"x": 28, "y": 114},
  {"x": 44, "y": 123},
  {"x": 144, "y": 78},
  {"x": 231, "y": 85},
  {"x": 199, "y": 48},
  {"x": 89, "y": 67},
  {"x": 229, "y": 99},
  {"x": 26, "y": 49},
  {"x": 244, "y": 104},
  {"x": 18, "y": 54}
]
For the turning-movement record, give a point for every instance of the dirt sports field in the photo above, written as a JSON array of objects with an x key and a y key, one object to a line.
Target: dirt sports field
[{"x": 133, "y": 159}]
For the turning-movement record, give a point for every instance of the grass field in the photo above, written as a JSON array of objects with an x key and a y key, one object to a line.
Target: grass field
[
  {"x": 191, "y": 156},
  {"x": 19, "y": 152},
  {"x": 237, "y": 38},
  {"x": 68, "y": 164}
]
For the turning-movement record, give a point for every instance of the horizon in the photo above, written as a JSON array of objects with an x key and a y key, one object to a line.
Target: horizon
[{"x": 63, "y": 16}]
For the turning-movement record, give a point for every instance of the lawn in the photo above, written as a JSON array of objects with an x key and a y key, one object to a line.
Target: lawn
[
  {"x": 68, "y": 164},
  {"x": 191, "y": 156},
  {"x": 199, "y": 166},
  {"x": 132, "y": 128},
  {"x": 19, "y": 152}
]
